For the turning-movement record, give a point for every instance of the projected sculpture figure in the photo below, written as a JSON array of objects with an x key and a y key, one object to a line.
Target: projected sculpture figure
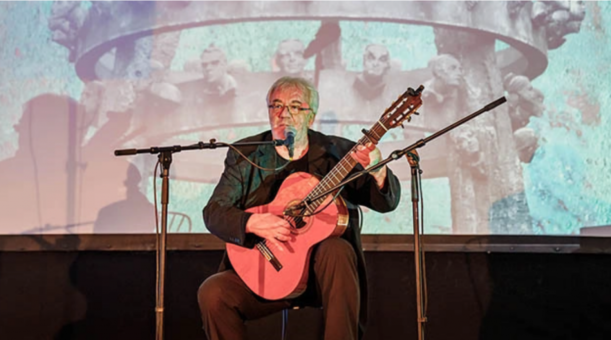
[
  {"x": 289, "y": 56},
  {"x": 445, "y": 93},
  {"x": 66, "y": 20},
  {"x": 447, "y": 77},
  {"x": 289, "y": 59},
  {"x": 524, "y": 102},
  {"x": 370, "y": 84},
  {"x": 559, "y": 18},
  {"x": 527, "y": 143},
  {"x": 218, "y": 84},
  {"x": 523, "y": 99},
  {"x": 360, "y": 96}
]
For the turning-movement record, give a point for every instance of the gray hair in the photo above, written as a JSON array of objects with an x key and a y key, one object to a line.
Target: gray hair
[{"x": 309, "y": 91}]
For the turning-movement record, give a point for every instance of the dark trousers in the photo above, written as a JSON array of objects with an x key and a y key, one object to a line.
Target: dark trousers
[{"x": 226, "y": 302}]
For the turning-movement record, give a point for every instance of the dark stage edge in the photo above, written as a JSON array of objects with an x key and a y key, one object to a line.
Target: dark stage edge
[{"x": 393, "y": 243}]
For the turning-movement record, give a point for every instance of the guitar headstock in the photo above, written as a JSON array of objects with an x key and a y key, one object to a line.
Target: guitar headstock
[{"x": 403, "y": 108}]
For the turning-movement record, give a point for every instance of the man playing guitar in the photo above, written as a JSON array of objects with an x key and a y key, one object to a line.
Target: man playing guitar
[{"x": 335, "y": 269}]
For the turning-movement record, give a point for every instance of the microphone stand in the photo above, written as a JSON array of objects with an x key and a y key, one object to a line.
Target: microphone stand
[
  {"x": 165, "y": 159},
  {"x": 415, "y": 172},
  {"x": 414, "y": 162}
]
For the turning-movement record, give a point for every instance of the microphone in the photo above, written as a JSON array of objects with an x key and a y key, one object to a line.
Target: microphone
[{"x": 289, "y": 142}]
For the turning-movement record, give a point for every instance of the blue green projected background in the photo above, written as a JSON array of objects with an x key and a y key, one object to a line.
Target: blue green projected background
[{"x": 81, "y": 79}]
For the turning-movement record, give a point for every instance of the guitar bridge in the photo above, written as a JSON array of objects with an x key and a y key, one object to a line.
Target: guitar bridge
[{"x": 269, "y": 256}]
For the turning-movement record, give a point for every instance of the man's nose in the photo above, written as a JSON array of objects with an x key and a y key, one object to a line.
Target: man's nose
[{"x": 285, "y": 112}]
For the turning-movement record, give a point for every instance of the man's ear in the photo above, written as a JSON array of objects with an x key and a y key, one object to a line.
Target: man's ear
[{"x": 312, "y": 116}]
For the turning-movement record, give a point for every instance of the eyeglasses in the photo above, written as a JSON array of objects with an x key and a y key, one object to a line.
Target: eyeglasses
[{"x": 294, "y": 109}]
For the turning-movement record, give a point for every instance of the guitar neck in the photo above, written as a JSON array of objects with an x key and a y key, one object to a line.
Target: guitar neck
[{"x": 344, "y": 166}]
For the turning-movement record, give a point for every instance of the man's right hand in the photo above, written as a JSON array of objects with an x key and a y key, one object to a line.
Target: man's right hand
[{"x": 270, "y": 227}]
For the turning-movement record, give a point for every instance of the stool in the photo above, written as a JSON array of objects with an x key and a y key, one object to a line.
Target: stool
[{"x": 312, "y": 320}]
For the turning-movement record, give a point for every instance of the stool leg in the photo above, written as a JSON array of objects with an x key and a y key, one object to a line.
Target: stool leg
[{"x": 285, "y": 321}]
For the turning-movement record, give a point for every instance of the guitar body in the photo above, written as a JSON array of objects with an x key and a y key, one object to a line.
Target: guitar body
[{"x": 289, "y": 281}]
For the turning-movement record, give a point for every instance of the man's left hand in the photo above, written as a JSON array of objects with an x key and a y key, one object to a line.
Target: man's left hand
[{"x": 369, "y": 155}]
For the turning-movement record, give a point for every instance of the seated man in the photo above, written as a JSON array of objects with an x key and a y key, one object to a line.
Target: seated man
[{"x": 338, "y": 280}]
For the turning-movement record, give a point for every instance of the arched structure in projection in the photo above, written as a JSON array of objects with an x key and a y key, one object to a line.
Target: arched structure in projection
[{"x": 113, "y": 24}]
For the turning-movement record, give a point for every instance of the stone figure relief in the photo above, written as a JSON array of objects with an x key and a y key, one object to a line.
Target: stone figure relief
[
  {"x": 524, "y": 101},
  {"x": 288, "y": 59},
  {"x": 371, "y": 83},
  {"x": 65, "y": 21},
  {"x": 217, "y": 81},
  {"x": 559, "y": 18}
]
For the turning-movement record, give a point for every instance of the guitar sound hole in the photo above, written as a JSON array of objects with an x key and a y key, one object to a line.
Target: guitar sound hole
[
  {"x": 297, "y": 222},
  {"x": 295, "y": 218}
]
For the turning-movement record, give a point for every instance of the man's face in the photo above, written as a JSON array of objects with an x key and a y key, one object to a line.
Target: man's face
[
  {"x": 290, "y": 57},
  {"x": 281, "y": 121},
  {"x": 376, "y": 61},
  {"x": 449, "y": 71},
  {"x": 213, "y": 66}
]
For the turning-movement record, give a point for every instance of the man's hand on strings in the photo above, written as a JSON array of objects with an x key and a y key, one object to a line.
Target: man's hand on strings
[
  {"x": 369, "y": 155},
  {"x": 273, "y": 228}
]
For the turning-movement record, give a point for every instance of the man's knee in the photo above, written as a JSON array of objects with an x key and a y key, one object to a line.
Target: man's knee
[
  {"x": 336, "y": 249},
  {"x": 210, "y": 294}
]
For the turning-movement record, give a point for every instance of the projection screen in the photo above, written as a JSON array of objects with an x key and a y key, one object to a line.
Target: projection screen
[{"x": 81, "y": 79}]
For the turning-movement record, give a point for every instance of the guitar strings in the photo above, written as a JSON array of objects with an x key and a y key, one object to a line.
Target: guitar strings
[{"x": 316, "y": 209}]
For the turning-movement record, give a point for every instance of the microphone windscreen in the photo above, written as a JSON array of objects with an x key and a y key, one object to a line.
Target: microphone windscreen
[{"x": 290, "y": 140}]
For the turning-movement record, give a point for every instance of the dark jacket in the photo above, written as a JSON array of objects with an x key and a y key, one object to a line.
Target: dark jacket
[{"x": 243, "y": 186}]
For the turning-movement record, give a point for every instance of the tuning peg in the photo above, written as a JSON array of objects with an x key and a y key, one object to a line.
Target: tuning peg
[
  {"x": 403, "y": 127},
  {"x": 417, "y": 113}
]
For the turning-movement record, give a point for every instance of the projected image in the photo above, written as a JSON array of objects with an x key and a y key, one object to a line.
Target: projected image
[{"x": 82, "y": 79}]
